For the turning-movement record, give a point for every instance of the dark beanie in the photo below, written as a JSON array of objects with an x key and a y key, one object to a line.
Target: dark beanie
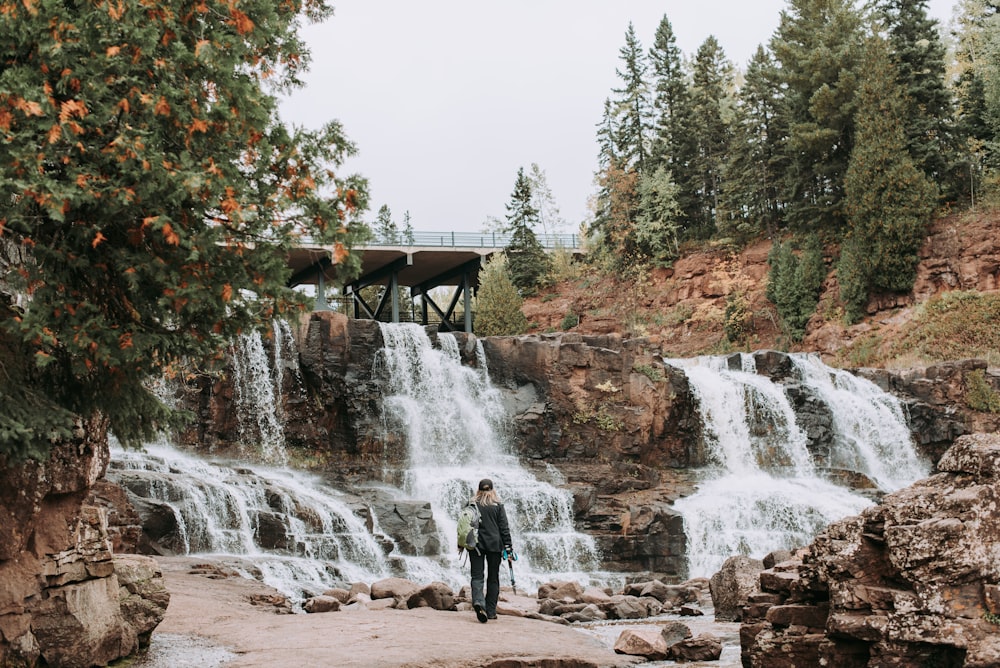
[{"x": 485, "y": 485}]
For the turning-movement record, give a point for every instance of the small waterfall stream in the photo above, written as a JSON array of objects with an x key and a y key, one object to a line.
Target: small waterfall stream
[
  {"x": 761, "y": 491},
  {"x": 257, "y": 380},
  {"x": 452, "y": 417}
]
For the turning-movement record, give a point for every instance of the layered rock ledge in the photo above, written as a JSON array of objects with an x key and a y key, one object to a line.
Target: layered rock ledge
[{"x": 913, "y": 581}]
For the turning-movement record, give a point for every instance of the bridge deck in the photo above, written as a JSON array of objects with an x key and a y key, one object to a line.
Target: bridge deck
[{"x": 420, "y": 258}]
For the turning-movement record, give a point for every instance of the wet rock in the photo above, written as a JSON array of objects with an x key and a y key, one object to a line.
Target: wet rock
[
  {"x": 647, "y": 643},
  {"x": 674, "y": 632},
  {"x": 394, "y": 588},
  {"x": 143, "y": 596},
  {"x": 436, "y": 595},
  {"x": 732, "y": 584},
  {"x": 908, "y": 582},
  {"x": 703, "y": 647},
  {"x": 321, "y": 604}
]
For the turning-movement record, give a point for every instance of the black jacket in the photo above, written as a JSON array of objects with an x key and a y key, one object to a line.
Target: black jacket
[{"x": 494, "y": 533}]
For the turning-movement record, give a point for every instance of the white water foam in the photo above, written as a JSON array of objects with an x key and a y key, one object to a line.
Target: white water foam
[
  {"x": 452, "y": 420},
  {"x": 222, "y": 512},
  {"x": 257, "y": 385},
  {"x": 761, "y": 491}
]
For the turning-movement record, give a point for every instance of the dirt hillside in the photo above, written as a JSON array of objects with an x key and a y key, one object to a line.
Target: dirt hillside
[{"x": 683, "y": 307}]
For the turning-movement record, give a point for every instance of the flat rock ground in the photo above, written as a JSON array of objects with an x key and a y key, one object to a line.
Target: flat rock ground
[{"x": 211, "y": 622}]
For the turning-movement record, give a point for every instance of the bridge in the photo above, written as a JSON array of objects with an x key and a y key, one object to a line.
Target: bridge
[{"x": 421, "y": 261}]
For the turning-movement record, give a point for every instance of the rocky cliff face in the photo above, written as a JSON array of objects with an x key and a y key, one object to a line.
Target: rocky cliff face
[
  {"x": 620, "y": 426},
  {"x": 913, "y": 581},
  {"x": 64, "y": 600}
]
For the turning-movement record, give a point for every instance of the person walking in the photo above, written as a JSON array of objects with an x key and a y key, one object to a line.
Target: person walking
[{"x": 494, "y": 540}]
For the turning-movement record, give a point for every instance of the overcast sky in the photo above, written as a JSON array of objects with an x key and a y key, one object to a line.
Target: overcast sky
[{"x": 445, "y": 99}]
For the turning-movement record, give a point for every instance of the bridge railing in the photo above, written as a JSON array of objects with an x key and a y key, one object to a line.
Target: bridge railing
[{"x": 472, "y": 240}]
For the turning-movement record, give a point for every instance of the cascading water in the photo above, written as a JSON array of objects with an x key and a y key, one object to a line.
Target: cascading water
[
  {"x": 451, "y": 418},
  {"x": 869, "y": 425},
  {"x": 314, "y": 539},
  {"x": 257, "y": 381},
  {"x": 763, "y": 492}
]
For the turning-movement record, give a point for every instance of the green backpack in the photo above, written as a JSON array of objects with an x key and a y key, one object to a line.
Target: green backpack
[{"x": 468, "y": 527}]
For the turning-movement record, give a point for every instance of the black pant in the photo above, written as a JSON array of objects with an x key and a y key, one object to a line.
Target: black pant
[{"x": 478, "y": 561}]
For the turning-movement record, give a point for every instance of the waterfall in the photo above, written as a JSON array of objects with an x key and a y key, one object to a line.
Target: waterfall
[
  {"x": 285, "y": 527},
  {"x": 869, "y": 425},
  {"x": 452, "y": 420},
  {"x": 761, "y": 491},
  {"x": 257, "y": 380}
]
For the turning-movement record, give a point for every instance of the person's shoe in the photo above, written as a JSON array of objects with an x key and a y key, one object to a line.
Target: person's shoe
[
  {"x": 493, "y": 616},
  {"x": 480, "y": 613}
]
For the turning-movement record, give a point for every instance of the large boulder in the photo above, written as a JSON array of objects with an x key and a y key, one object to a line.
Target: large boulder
[
  {"x": 732, "y": 584},
  {"x": 908, "y": 582},
  {"x": 62, "y": 601},
  {"x": 645, "y": 642}
]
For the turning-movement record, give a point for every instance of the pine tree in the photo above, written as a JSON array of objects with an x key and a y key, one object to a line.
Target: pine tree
[
  {"x": 149, "y": 194},
  {"x": 712, "y": 84},
  {"x": 818, "y": 48},
  {"x": 385, "y": 227},
  {"x": 632, "y": 105},
  {"x": 919, "y": 57},
  {"x": 656, "y": 227},
  {"x": 528, "y": 262},
  {"x": 889, "y": 201},
  {"x": 498, "y": 303},
  {"x": 977, "y": 53},
  {"x": 795, "y": 282},
  {"x": 407, "y": 233},
  {"x": 673, "y": 145},
  {"x": 750, "y": 192}
]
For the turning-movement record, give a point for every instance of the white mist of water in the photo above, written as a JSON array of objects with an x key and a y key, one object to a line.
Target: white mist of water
[
  {"x": 316, "y": 539},
  {"x": 452, "y": 420},
  {"x": 763, "y": 492},
  {"x": 257, "y": 381}
]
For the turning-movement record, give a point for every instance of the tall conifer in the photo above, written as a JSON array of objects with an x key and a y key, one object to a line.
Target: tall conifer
[
  {"x": 818, "y": 48},
  {"x": 712, "y": 86},
  {"x": 674, "y": 146},
  {"x": 889, "y": 201}
]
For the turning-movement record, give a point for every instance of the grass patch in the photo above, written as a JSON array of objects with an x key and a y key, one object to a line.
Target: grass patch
[
  {"x": 955, "y": 325},
  {"x": 649, "y": 371}
]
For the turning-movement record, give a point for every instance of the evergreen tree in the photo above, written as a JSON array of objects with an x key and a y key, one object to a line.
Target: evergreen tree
[
  {"x": 973, "y": 40},
  {"x": 149, "y": 194},
  {"x": 919, "y": 57},
  {"x": 750, "y": 192},
  {"x": 385, "y": 227},
  {"x": 407, "y": 233},
  {"x": 818, "y": 48},
  {"x": 673, "y": 145},
  {"x": 619, "y": 206},
  {"x": 632, "y": 105},
  {"x": 978, "y": 90},
  {"x": 712, "y": 83},
  {"x": 889, "y": 201},
  {"x": 498, "y": 303},
  {"x": 794, "y": 283},
  {"x": 656, "y": 225},
  {"x": 527, "y": 260}
]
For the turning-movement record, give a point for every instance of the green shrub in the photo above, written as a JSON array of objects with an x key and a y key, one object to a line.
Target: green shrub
[
  {"x": 979, "y": 395},
  {"x": 570, "y": 320},
  {"x": 649, "y": 371},
  {"x": 738, "y": 317}
]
